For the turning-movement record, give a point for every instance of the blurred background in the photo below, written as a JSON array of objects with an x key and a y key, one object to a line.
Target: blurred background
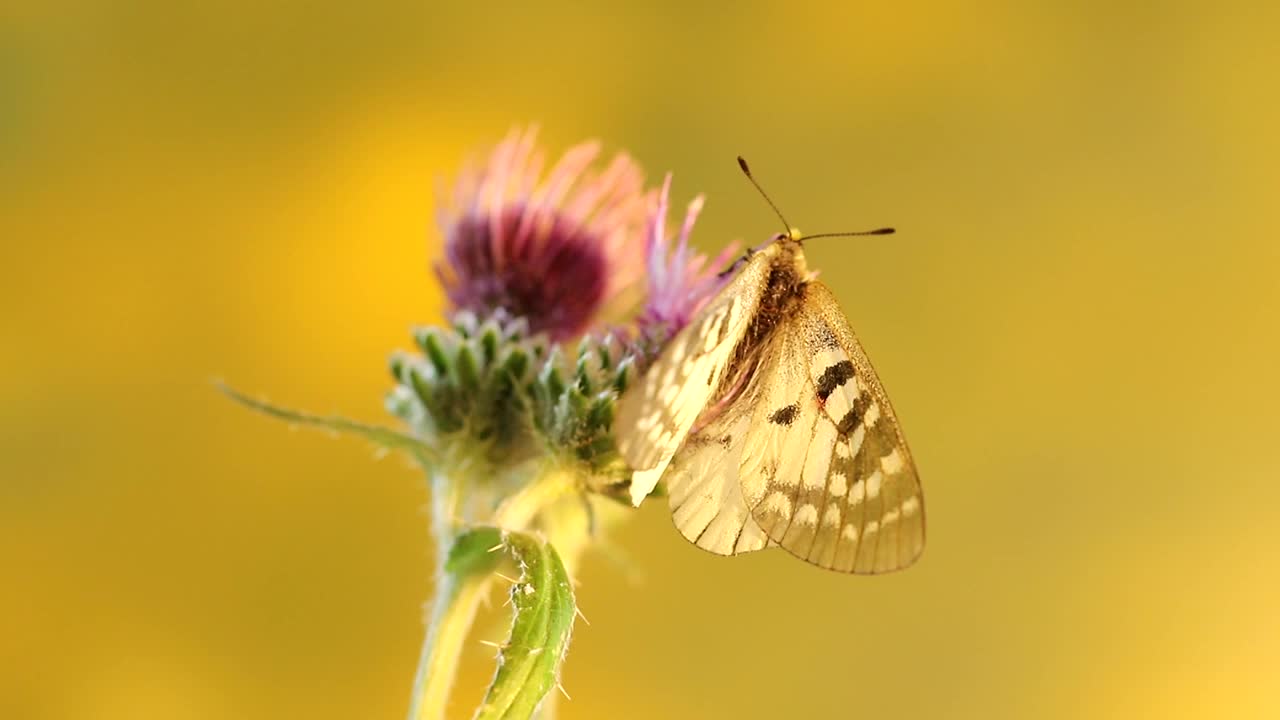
[{"x": 1077, "y": 324}]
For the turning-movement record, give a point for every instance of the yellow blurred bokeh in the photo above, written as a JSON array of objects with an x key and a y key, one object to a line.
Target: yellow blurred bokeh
[{"x": 1077, "y": 324}]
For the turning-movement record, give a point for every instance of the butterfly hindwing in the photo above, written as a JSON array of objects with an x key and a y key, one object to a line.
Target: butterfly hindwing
[
  {"x": 827, "y": 473},
  {"x": 706, "y": 500}
]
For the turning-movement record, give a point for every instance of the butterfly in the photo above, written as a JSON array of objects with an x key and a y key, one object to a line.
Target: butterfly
[{"x": 770, "y": 428}]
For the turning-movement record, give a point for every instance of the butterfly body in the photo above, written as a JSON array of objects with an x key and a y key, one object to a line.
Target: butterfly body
[{"x": 769, "y": 427}]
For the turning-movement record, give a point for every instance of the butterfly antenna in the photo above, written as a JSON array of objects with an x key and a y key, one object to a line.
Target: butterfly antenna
[
  {"x": 746, "y": 170},
  {"x": 877, "y": 231}
]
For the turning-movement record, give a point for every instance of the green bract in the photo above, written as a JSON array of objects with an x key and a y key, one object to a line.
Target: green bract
[{"x": 488, "y": 382}]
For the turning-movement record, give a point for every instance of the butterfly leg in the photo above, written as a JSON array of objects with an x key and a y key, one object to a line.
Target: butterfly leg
[{"x": 746, "y": 256}]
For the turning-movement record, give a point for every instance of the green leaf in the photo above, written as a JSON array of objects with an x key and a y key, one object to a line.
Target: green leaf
[
  {"x": 529, "y": 665},
  {"x": 384, "y": 437},
  {"x": 475, "y": 551}
]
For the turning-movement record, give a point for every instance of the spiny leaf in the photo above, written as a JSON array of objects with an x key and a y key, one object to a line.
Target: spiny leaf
[{"x": 544, "y": 610}]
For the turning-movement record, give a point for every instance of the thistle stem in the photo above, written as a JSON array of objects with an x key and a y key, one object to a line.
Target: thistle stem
[
  {"x": 453, "y": 611},
  {"x": 457, "y": 599}
]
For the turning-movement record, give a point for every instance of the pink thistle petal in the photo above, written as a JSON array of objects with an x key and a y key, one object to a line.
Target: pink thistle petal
[
  {"x": 552, "y": 250},
  {"x": 680, "y": 280}
]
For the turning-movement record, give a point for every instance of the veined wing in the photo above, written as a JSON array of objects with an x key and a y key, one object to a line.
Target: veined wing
[
  {"x": 827, "y": 473},
  {"x": 702, "y": 483},
  {"x": 659, "y": 412}
]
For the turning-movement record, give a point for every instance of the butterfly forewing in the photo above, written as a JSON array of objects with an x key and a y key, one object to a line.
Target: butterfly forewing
[
  {"x": 827, "y": 474},
  {"x": 883, "y": 504},
  {"x": 662, "y": 409},
  {"x": 780, "y": 484}
]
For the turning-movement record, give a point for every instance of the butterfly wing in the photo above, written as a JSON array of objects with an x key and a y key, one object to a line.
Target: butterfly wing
[
  {"x": 706, "y": 500},
  {"x": 660, "y": 411},
  {"x": 826, "y": 472}
]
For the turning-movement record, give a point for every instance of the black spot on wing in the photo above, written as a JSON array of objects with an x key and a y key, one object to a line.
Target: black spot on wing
[
  {"x": 786, "y": 415},
  {"x": 833, "y": 377},
  {"x": 854, "y": 416},
  {"x": 848, "y": 422}
]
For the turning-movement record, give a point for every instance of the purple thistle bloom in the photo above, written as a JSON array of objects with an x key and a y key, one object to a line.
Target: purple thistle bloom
[
  {"x": 681, "y": 281},
  {"x": 553, "y": 252}
]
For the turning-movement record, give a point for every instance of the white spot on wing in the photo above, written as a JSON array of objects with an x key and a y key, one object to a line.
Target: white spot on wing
[
  {"x": 850, "y": 533},
  {"x": 824, "y": 359},
  {"x": 711, "y": 331},
  {"x": 669, "y": 376},
  {"x": 839, "y": 403},
  {"x": 753, "y": 486},
  {"x": 855, "y": 440},
  {"x": 832, "y": 516},
  {"x": 872, "y": 415},
  {"x": 873, "y": 484},
  {"x": 839, "y": 484},
  {"x": 857, "y": 492},
  {"x": 807, "y": 515},
  {"x": 892, "y": 462},
  {"x": 670, "y": 394},
  {"x": 678, "y": 353},
  {"x": 778, "y": 503},
  {"x": 910, "y": 506}
]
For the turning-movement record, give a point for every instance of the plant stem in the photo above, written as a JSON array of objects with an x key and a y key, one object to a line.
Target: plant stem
[
  {"x": 457, "y": 599},
  {"x": 453, "y": 611}
]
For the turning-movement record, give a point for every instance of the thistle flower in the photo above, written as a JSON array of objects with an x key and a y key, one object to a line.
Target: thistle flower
[
  {"x": 510, "y": 404},
  {"x": 551, "y": 250},
  {"x": 680, "y": 281}
]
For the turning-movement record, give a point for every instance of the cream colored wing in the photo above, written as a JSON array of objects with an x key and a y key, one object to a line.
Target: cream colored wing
[
  {"x": 827, "y": 473},
  {"x": 656, "y": 415},
  {"x": 702, "y": 483}
]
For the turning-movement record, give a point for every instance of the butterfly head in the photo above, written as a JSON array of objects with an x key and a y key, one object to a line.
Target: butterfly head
[{"x": 792, "y": 235}]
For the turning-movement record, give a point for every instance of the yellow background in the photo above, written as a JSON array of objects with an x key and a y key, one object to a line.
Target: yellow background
[{"x": 1077, "y": 324}]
